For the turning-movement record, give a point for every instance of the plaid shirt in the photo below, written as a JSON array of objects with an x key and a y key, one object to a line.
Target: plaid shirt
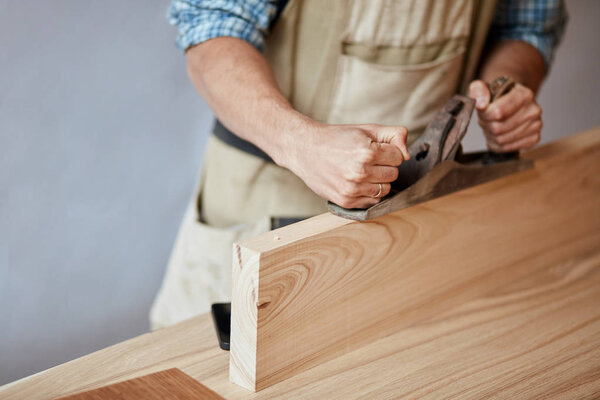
[{"x": 538, "y": 22}]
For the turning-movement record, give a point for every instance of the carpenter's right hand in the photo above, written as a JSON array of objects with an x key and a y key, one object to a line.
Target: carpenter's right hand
[{"x": 346, "y": 163}]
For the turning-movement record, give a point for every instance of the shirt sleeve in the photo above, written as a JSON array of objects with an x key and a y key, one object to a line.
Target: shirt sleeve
[
  {"x": 540, "y": 23},
  {"x": 200, "y": 20}
]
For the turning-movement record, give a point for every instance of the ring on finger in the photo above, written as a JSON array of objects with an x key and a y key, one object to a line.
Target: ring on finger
[{"x": 380, "y": 190}]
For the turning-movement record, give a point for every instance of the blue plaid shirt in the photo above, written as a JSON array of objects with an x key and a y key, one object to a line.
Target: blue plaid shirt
[{"x": 538, "y": 22}]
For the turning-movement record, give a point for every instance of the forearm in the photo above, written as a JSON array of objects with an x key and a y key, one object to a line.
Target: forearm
[
  {"x": 517, "y": 59},
  {"x": 352, "y": 165},
  {"x": 239, "y": 85}
]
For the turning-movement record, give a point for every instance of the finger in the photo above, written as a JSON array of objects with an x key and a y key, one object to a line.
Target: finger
[
  {"x": 522, "y": 144},
  {"x": 377, "y": 190},
  {"x": 361, "y": 202},
  {"x": 530, "y": 136},
  {"x": 376, "y": 174},
  {"x": 395, "y": 135},
  {"x": 508, "y": 104},
  {"x": 495, "y": 147},
  {"x": 400, "y": 141},
  {"x": 479, "y": 91},
  {"x": 524, "y": 116},
  {"x": 528, "y": 129},
  {"x": 385, "y": 154},
  {"x": 369, "y": 191},
  {"x": 354, "y": 202},
  {"x": 353, "y": 190}
]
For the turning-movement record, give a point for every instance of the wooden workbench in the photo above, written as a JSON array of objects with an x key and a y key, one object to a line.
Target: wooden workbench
[{"x": 537, "y": 337}]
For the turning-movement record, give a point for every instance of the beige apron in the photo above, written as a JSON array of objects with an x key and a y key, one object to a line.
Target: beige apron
[{"x": 391, "y": 62}]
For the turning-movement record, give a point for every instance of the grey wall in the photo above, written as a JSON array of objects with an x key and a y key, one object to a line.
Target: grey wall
[{"x": 101, "y": 137}]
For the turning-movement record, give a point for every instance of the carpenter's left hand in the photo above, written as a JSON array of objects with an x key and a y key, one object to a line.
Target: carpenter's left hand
[{"x": 512, "y": 122}]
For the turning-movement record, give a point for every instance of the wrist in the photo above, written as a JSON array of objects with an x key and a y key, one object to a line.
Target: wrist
[{"x": 293, "y": 139}]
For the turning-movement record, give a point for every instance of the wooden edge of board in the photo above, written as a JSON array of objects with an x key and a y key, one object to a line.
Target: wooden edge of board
[{"x": 244, "y": 310}]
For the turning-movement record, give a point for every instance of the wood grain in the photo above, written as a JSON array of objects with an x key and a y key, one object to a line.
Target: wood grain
[
  {"x": 171, "y": 384},
  {"x": 536, "y": 336},
  {"x": 313, "y": 291}
]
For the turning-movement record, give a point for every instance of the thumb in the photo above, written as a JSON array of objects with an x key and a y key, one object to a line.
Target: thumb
[
  {"x": 479, "y": 91},
  {"x": 395, "y": 135}
]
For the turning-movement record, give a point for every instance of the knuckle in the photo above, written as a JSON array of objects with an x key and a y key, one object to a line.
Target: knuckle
[
  {"x": 358, "y": 175},
  {"x": 346, "y": 202},
  {"x": 528, "y": 95},
  {"x": 495, "y": 128},
  {"x": 492, "y": 139},
  {"x": 349, "y": 190},
  {"x": 367, "y": 127},
  {"x": 356, "y": 133},
  {"x": 366, "y": 156},
  {"x": 373, "y": 191},
  {"x": 343, "y": 200},
  {"x": 493, "y": 147},
  {"x": 530, "y": 143},
  {"x": 497, "y": 113},
  {"x": 345, "y": 193}
]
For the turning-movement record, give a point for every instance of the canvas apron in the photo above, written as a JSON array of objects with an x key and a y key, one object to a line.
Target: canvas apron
[{"x": 390, "y": 62}]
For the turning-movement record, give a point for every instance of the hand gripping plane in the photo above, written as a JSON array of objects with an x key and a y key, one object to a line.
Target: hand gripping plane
[{"x": 437, "y": 166}]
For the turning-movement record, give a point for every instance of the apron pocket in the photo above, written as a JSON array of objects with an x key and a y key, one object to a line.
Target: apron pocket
[{"x": 388, "y": 94}]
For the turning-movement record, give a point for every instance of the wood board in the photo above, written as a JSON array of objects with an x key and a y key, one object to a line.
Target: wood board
[
  {"x": 171, "y": 384},
  {"x": 537, "y": 337},
  {"x": 313, "y": 291}
]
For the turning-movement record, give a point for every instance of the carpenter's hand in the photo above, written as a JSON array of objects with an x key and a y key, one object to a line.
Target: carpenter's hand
[
  {"x": 346, "y": 163},
  {"x": 511, "y": 122}
]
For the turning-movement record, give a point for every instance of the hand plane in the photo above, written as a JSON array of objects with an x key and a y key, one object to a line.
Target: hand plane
[{"x": 437, "y": 166}]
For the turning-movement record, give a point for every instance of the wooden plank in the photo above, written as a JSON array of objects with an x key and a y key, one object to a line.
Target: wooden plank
[
  {"x": 535, "y": 337},
  {"x": 171, "y": 384},
  {"x": 311, "y": 292}
]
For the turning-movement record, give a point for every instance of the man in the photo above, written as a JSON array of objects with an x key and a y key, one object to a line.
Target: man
[{"x": 325, "y": 112}]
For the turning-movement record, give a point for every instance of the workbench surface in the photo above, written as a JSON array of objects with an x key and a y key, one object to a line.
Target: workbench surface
[{"x": 538, "y": 337}]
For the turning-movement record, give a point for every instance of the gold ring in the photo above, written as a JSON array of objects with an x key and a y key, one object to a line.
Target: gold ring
[{"x": 380, "y": 189}]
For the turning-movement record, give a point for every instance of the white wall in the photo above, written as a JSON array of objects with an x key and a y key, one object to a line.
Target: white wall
[{"x": 101, "y": 136}]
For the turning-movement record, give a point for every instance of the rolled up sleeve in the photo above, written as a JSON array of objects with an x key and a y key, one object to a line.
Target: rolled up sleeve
[
  {"x": 200, "y": 20},
  {"x": 540, "y": 23}
]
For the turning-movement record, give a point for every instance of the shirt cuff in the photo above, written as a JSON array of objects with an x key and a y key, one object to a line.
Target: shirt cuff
[
  {"x": 209, "y": 25},
  {"x": 544, "y": 44}
]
